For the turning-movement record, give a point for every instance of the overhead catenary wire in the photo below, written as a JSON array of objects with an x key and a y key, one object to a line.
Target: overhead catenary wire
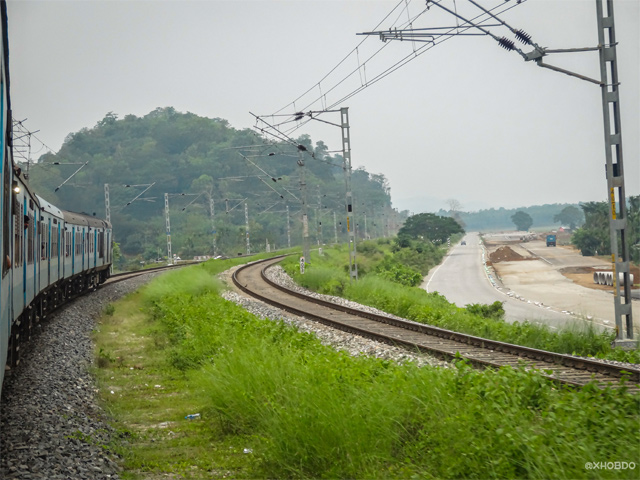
[
  {"x": 336, "y": 66},
  {"x": 411, "y": 57},
  {"x": 502, "y": 41},
  {"x": 352, "y": 72},
  {"x": 441, "y": 37},
  {"x": 520, "y": 34},
  {"x": 291, "y": 141}
]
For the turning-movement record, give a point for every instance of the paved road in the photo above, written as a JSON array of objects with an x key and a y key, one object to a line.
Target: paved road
[{"x": 462, "y": 279}]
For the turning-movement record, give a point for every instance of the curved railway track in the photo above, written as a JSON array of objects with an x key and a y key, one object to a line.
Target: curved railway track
[
  {"x": 480, "y": 352},
  {"x": 120, "y": 277}
]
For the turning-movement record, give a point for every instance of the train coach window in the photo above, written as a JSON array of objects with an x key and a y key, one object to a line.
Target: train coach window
[
  {"x": 101, "y": 244},
  {"x": 54, "y": 241},
  {"x": 44, "y": 240}
]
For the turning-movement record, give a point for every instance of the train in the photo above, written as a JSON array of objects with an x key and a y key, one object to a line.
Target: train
[{"x": 49, "y": 255}]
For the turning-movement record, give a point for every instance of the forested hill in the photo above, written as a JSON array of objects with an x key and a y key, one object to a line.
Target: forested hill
[
  {"x": 494, "y": 219},
  {"x": 183, "y": 153}
]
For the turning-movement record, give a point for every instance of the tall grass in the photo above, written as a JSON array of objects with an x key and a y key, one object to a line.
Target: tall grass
[
  {"x": 308, "y": 411},
  {"x": 304, "y": 410}
]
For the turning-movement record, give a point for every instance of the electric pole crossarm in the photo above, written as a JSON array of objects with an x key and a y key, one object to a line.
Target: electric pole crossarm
[
  {"x": 71, "y": 176},
  {"x": 567, "y": 72},
  {"x": 140, "y": 194},
  {"x": 192, "y": 202}
]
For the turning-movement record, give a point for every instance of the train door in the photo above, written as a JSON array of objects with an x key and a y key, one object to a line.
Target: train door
[
  {"x": 94, "y": 244},
  {"x": 85, "y": 250},
  {"x": 45, "y": 253},
  {"x": 108, "y": 245},
  {"x": 74, "y": 250},
  {"x": 55, "y": 251},
  {"x": 62, "y": 258},
  {"x": 31, "y": 254}
]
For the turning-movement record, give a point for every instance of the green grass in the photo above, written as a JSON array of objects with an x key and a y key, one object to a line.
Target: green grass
[{"x": 304, "y": 410}]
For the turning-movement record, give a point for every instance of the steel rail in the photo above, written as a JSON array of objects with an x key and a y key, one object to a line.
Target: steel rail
[{"x": 446, "y": 344}]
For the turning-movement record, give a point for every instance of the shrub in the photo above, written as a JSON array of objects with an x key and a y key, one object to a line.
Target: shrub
[
  {"x": 399, "y": 273},
  {"x": 495, "y": 310}
]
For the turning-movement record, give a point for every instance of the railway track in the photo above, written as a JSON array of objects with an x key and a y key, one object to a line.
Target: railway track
[
  {"x": 120, "y": 277},
  {"x": 480, "y": 352}
]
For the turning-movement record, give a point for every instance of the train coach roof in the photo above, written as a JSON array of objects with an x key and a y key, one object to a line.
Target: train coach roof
[
  {"x": 84, "y": 219},
  {"x": 48, "y": 207}
]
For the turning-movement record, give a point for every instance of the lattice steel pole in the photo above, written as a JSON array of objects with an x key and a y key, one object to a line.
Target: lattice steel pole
[
  {"x": 318, "y": 218},
  {"x": 246, "y": 222},
  {"x": 213, "y": 223},
  {"x": 615, "y": 172},
  {"x": 346, "y": 154},
  {"x": 107, "y": 202},
  {"x": 168, "y": 228},
  {"x": 306, "y": 251},
  {"x": 288, "y": 228}
]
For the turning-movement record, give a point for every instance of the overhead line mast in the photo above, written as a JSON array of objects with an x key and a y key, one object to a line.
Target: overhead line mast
[{"x": 609, "y": 85}]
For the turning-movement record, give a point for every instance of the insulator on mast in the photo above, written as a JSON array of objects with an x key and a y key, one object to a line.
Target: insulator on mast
[
  {"x": 507, "y": 44},
  {"x": 523, "y": 36}
]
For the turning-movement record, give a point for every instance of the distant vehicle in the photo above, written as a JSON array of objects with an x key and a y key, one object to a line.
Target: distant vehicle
[
  {"x": 463, "y": 242},
  {"x": 551, "y": 240}
]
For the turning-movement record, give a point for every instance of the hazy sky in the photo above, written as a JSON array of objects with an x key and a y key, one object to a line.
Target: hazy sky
[{"x": 464, "y": 120}]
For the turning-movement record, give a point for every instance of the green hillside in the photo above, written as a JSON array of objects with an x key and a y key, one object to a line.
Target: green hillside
[{"x": 183, "y": 153}]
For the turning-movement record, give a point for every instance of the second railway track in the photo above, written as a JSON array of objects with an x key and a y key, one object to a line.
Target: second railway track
[{"x": 443, "y": 343}]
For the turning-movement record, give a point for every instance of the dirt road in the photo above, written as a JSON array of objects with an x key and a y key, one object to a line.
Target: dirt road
[{"x": 559, "y": 277}]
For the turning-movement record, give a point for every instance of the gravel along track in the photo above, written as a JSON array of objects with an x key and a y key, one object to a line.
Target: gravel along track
[
  {"x": 338, "y": 339},
  {"x": 51, "y": 425},
  {"x": 442, "y": 343}
]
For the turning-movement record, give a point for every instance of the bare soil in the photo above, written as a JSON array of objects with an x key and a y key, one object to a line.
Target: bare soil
[
  {"x": 506, "y": 254},
  {"x": 582, "y": 276}
]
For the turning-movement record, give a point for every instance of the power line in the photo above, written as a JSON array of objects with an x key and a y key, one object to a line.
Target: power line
[
  {"x": 338, "y": 65},
  {"x": 440, "y": 37}
]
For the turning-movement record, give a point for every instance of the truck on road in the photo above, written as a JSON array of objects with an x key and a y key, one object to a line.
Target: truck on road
[{"x": 551, "y": 240}]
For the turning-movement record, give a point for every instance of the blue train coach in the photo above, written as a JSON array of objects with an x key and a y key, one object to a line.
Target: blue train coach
[{"x": 48, "y": 255}]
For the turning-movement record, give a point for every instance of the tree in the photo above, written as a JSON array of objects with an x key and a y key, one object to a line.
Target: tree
[
  {"x": 591, "y": 241},
  {"x": 593, "y": 237},
  {"x": 570, "y": 215},
  {"x": 430, "y": 226},
  {"x": 454, "y": 211},
  {"x": 522, "y": 220}
]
